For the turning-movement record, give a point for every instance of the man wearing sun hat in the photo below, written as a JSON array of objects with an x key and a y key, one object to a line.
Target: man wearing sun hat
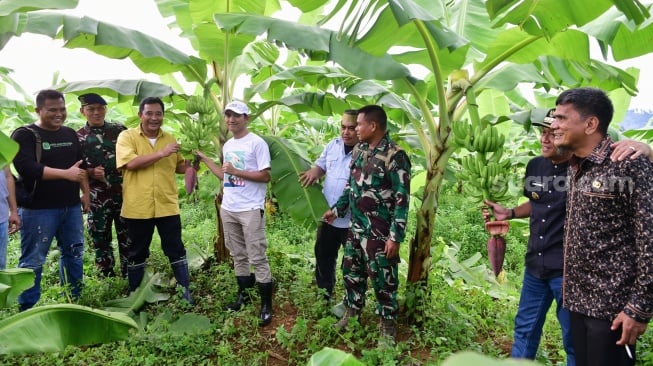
[
  {"x": 245, "y": 173},
  {"x": 98, "y": 140}
]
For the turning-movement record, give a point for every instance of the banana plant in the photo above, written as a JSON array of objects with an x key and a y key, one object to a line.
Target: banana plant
[
  {"x": 505, "y": 44},
  {"x": 221, "y": 58}
]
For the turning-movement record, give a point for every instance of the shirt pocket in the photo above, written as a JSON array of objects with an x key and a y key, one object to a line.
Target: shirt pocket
[{"x": 331, "y": 165}]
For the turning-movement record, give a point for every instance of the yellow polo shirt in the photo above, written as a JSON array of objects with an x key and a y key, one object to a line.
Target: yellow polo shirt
[{"x": 152, "y": 191}]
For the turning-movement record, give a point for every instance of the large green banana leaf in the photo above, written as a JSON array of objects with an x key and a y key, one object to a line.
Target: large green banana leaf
[
  {"x": 121, "y": 89},
  {"x": 147, "y": 292},
  {"x": 20, "y": 6},
  {"x": 14, "y": 281},
  {"x": 466, "y": 358},
  {"x": 306, "y": 205},
  {"x": 8, "y": 149},
  {"x": 536, "y": 18},
  {"x": 318, "y": 42},
  {"x": 147, "y": 53},
  {"x": 51, "y": 328},
  {"x": 333, "y": 357}
]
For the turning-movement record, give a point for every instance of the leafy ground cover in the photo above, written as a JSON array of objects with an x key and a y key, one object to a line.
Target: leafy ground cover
[{"x": 468, "y": 310}]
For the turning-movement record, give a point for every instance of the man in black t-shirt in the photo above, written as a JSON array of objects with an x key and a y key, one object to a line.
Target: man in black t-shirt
[{"x": 55, "y": 210}]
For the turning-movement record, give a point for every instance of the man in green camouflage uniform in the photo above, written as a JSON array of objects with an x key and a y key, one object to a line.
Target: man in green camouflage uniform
[
  {"x": 378, "y": 194},
  {"x": 98, "y": 140}
]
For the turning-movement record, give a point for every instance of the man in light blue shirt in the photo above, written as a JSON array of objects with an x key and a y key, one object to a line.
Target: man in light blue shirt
[
  {"x": 334, "y": 163},
  {"x": 9, "y": 219}
]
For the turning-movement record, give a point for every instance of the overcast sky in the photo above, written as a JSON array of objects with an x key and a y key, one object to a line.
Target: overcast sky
[{"x": 35, "y": 59}]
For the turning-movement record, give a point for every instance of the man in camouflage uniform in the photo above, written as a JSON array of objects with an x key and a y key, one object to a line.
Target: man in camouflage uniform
[
  {"x": 377, "y": 193},
  {"x": 98, "y": 140}
]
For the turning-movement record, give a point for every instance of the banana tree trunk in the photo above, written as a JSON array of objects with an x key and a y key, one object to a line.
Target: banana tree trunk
[
  {"x": 419, "y": 262},
  {"x": 420, "y": 244},
  {"x": 220, "y": 252}
]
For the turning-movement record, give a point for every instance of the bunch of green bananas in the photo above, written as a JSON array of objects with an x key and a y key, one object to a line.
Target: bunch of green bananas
[
  {"x": 197, "y": 104},
  {"x": 488, "y": 139},
  {"x": 486, "y": 177},
  {"x": 473, "y": 137},
  {"x": 463, "y": 134},
  {"x": 198, "y": 133}
]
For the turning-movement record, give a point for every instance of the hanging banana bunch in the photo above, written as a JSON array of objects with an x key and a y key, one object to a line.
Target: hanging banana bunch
[
  {"x": 197, "y": 129},
  {"x": 484, "y": 167}
]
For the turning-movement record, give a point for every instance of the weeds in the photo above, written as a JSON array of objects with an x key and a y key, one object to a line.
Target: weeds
[{"x": 458, "y": 316}]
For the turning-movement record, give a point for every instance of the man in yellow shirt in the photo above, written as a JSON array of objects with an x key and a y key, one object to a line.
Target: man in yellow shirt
[{"x": 149, "y": 159}]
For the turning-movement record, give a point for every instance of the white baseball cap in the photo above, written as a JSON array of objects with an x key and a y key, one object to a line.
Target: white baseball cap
[{"x": 238, "y": 107}]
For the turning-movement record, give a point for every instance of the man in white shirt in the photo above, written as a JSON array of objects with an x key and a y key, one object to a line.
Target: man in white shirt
[
  {"x": 334, "y": 163},
  {"x": 245, "y": 173}
]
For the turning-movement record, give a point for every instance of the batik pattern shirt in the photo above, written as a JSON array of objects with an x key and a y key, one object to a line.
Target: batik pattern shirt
[{"x": 609, "y": 236}]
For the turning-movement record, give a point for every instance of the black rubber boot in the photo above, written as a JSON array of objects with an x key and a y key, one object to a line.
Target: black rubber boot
[
  {"x": 180, "y": 270},
  {"x": 135, "y": 273},
  {"x": 245, "y": 283},
  {"x": 265, "y": 315}
]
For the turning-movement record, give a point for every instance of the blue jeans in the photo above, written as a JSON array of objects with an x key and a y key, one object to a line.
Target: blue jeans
[
  {"x": 4, "y": 237},
  {"x": 38, "y": 229},
  {"x": 534, "y": 302}
]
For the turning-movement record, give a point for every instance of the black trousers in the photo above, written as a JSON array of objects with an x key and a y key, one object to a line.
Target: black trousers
[
  {"x": 595, "y": 344},
  {"x": 327, "y": 244},
  {"x": 140, "y": 236}
]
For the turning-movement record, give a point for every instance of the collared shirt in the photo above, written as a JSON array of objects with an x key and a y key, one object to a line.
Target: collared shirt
[
  {"x": 378, "y": 191},
  {"x": 609, "y": 236},
  {"x": 335, "y": 163},
  {"x": 148, "y": 192},
  {"x": 545, "y": 186}
]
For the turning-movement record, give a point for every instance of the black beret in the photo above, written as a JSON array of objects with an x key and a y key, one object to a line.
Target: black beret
[{"x": 91, "y": 98}]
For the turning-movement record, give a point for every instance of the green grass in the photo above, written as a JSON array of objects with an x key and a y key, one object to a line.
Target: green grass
[{"x": 459, "y": 316}]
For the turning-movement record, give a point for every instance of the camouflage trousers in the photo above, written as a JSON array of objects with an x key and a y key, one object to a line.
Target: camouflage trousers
[
  {"x": 100, "y": 220},
  {"x": 363, "y": 258}
]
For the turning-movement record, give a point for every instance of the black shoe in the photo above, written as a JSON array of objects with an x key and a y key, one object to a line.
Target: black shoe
[
  {"x": 245, "y": 283},
  {"x": 135, "y": 273},
  {"x": 265, "y": 315},
  {"x": 180, "y": 270}
]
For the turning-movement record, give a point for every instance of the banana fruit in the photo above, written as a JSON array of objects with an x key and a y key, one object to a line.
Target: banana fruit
[
  {"x": 198, "y": 127},
  {"x": 483, "y": 169}
]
